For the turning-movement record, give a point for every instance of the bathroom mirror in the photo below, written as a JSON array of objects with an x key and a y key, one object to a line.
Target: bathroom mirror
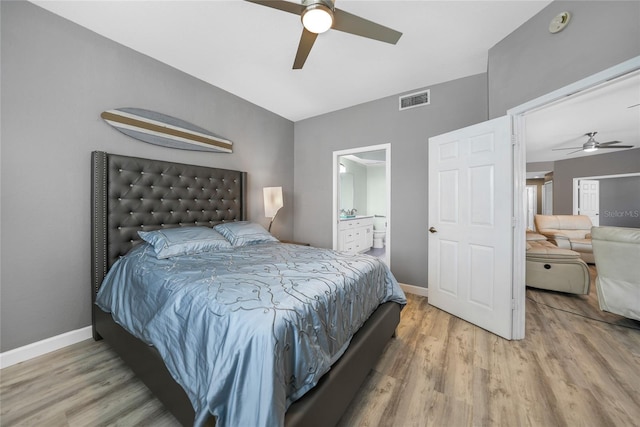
[{"x": 346, "y": 191}]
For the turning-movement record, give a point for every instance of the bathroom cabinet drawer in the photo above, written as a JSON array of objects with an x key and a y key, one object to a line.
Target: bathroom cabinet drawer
[
  {"x": 355, "y": 235},
  {"x": 347, "y": 225},
  {"x": 349, "y": 236}
]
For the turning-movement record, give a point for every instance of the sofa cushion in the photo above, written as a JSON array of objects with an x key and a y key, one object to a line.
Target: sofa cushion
[
  {"x": 563, "y": 222},
  {"x": 532, "y": 236},
  {"x": 617, "y": 234},
  {"x": 547, "y": 251},
  {"x": 581, "y": 245},
  {"x": 574, "y": 234}
]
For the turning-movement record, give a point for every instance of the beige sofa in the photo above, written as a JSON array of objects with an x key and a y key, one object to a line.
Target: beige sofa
[
  {"x": 553, "y": 268},
  {"x": 567, "y": 232},
  {"x": 617, "y": 254}
]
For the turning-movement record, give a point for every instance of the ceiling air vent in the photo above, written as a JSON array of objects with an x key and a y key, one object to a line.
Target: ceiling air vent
[{"x": 417, "y": 99}]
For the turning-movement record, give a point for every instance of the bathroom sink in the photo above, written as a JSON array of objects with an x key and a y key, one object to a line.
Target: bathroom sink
[{"x": 347, "y": 216}]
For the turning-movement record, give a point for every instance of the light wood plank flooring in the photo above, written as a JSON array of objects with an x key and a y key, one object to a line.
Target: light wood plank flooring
[{"x": 438, "y": 371}]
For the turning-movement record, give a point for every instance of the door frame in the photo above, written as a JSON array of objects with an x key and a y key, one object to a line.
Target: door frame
[
  {"x": 336, "y": 192},
  {"x": 518, "y": 119},
  {"x": 576, "y": 182}
]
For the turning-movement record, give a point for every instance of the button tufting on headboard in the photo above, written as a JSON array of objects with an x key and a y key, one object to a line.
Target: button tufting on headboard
[{"x": 131, "y": 193}]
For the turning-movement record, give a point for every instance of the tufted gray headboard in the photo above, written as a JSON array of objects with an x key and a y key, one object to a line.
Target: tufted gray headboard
[{"x": 130, "y": 194}]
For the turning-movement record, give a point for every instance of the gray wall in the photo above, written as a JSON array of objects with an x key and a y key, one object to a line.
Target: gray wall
[
  {"x": 620, "y": 202},
  {"x": 56, "y": 79},
  {"x": 454, "y": 104},
  {"x": 564, "y": 171},
  {"x": 532, "y": 62}
]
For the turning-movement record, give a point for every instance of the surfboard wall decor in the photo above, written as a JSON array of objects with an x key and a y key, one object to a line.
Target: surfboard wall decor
[{"x": 160, "y": 129}]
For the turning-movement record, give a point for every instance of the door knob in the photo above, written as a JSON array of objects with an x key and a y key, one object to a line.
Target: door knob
[{"x": 433, "y": 230}]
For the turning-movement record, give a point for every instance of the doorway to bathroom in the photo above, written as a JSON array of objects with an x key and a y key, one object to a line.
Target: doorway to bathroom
[{"x": 362, "y": 201}]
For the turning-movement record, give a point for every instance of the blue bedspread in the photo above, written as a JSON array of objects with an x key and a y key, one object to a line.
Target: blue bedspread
[{"x": 247, "y": 331}]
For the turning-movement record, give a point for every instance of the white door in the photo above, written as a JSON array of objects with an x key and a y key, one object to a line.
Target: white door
[
  {"x": 470, "y": 219},
  {"x": 589, "y": 199},
  {"x": 532, "y": 205}
]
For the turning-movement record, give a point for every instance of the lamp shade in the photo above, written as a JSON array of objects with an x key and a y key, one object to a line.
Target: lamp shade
[{"x": 272, "y": 201}]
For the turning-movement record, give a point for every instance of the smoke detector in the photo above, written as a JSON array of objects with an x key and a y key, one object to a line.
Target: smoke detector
[{"x": 559, "y": 22}]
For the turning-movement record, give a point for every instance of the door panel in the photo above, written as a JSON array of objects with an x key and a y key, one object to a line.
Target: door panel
[
  {"x": 470, "y": 211},
  {"x": 481, "y": 195},
  {"x": 482, "y": 258},
  {"x": 589, "y": 199},
  {"x": 448, "y": 272}
]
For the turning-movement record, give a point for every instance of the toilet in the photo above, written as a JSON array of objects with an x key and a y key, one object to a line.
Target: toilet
[{"x": 379, "y": 232}]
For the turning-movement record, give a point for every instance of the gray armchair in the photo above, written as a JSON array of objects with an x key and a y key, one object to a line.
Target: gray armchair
[{"x": 617, "y": 255}]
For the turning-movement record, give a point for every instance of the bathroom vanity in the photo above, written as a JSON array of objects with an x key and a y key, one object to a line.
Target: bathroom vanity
[{"x": 355, "y": 234}]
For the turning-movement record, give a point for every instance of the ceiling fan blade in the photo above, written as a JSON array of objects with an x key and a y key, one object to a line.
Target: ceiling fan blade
[
  {"x": 352, "y": 24},
  {"x": 577, "y": 151},
  {"x": 568, "y": 148},
  {"x": 617, "y": 146},
  {"x": 604, "y": 144},
  {"x": 306, "y": 43},
  {"x": 286, "y": 6}
]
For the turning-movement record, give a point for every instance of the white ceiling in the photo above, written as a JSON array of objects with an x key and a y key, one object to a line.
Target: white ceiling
[
  {"x": 611, "y": 109},
  {"x": 248, "y": 49}
]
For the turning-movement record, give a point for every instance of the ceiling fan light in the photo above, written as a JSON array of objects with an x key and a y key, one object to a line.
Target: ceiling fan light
[
  {"x": 317, "y": 18},
  {"x": 590, "y": 146}
]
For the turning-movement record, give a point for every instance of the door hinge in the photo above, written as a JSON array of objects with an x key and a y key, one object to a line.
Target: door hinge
[
  {"x": 513, "y": 304},
  {"x": 513, "y": 221},
  {"x": 514, "y": 140}
]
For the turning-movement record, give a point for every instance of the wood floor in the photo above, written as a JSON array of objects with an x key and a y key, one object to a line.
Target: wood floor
[{"x": 438, "y": 371}]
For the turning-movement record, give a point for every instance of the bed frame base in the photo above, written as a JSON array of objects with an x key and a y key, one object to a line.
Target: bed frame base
[{"x": 322, "y": 406}]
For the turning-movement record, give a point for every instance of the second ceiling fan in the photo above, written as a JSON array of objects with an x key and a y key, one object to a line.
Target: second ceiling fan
[
  {"x": 593, "y": 145},
  {"x": 319, "y": 16}
]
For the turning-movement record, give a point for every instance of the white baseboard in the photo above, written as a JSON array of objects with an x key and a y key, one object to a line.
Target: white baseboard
[
  {"x": 416, "y": 290},
  {"x": 39, "y": 348}
]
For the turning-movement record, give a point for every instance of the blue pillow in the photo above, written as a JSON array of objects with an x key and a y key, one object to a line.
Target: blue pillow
[
  {"x": 177, "y": 241},
  {"x": 242, "y": 233}
]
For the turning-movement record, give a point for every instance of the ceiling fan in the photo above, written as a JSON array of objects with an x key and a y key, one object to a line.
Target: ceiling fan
[
  {"x": 319, "y": 16},
  {"x": 593, "y": 145}
]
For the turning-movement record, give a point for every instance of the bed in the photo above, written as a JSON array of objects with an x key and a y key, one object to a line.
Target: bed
[{"x": 132, "y": 194}]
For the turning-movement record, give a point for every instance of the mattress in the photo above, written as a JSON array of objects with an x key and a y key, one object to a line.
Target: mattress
[{"x": 246, "y": 331}]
